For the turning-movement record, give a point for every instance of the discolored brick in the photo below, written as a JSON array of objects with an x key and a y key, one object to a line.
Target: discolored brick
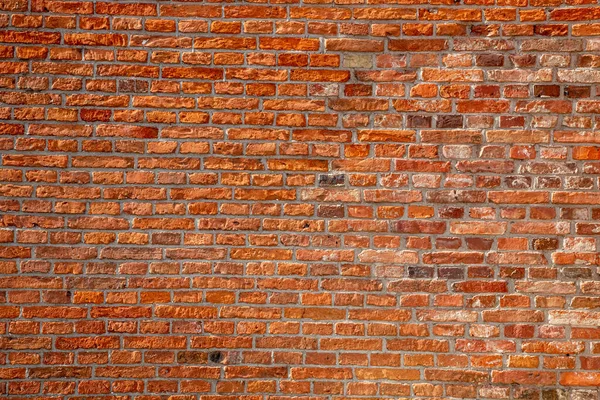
[{"x": 309, "y": 200}]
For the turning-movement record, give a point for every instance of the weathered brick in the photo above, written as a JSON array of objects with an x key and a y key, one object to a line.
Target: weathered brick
[{"x": 249, "y": 200}]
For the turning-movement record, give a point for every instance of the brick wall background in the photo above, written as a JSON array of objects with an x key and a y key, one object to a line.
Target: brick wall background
[{"x": 299, "y": 200}]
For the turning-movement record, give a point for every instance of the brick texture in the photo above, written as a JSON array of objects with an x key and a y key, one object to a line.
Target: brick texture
[{"x": 366, "y": 199}]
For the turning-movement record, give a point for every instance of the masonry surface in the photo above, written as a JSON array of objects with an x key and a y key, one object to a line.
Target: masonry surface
[{"x": 299, "y": 200}]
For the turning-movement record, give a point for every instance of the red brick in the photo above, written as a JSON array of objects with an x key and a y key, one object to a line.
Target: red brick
[{"x": 313, "y": 200}]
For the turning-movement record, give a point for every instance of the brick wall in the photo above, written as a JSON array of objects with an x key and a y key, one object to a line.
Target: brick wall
[{"x": 299, "y": 200}]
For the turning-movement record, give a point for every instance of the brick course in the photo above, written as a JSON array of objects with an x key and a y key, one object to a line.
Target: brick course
[{"x": 299, "y": 200}]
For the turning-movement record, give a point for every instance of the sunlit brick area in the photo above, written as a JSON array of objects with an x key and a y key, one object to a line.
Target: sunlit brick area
[{"x": 299, "y": 200}]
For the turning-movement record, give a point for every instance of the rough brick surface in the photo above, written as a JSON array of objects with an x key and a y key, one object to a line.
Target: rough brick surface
[{"x": 259, "y": 200}]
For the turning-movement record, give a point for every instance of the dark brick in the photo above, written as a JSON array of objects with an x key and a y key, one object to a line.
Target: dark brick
[
  {"x": 418, "y": 121},
  {"x": 449, "y": 121},
  {"x": 489, "y": 60}
]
